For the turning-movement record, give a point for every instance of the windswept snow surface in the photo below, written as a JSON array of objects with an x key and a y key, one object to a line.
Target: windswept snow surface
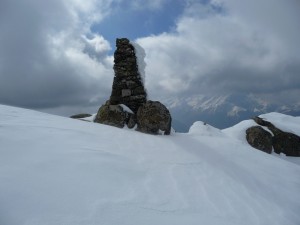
[{"x": 61, "y": 171}]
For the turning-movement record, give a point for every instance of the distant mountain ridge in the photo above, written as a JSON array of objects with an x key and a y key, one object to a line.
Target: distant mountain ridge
[{"x": 222, "y": 111}]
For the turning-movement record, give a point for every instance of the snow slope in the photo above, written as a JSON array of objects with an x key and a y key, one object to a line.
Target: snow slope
[{"x": 61, "y": 171}]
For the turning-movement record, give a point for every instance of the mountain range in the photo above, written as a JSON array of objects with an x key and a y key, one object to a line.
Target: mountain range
[{"x": 222, "y": 111}]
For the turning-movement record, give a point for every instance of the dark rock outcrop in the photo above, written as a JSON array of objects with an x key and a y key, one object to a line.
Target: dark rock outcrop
[
  {"x": 80, "y": 116},
  {"x": 259, "y": 138},
  {"x": 267, "y": 124},
  {"x": 282, "y": 142},
  {"x": 287, "y": 143},
  {"x": 112, "y": 115},
  {"x": 127, "y": 88},
  {"x": 153, "y": 117}
]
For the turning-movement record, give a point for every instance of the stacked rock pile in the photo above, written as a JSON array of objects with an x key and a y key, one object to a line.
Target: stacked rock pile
[
  {"x": 128, "y": 103},
  {"x": 127, "y": 88}
]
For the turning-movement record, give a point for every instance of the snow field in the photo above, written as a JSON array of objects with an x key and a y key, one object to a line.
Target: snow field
[{"x": 56, "y": 170}]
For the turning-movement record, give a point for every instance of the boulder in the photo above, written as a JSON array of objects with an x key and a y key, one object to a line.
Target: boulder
[
  {"x": 259, "y": 138},
  {"x": 112, "y": 115},
  {"x": 287, "y": 143},
  {"x": 80, "y": 116},
  {"x": 282, "y": 142},
  {"x": 153, "y": 117}
]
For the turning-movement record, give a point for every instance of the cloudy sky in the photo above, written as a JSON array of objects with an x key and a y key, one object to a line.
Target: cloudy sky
[{"x": 56, "y": 55}]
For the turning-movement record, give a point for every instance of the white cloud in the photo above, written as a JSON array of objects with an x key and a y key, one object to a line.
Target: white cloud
[
  {"x": 224, "y": 50},
  {"x": 49, "y": 56},
  {"x": 148, "y": 4},
  {"x": 96, "y": 46}
]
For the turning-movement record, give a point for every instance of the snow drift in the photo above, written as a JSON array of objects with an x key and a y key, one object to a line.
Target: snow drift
[{"x": 56, "y": 170}]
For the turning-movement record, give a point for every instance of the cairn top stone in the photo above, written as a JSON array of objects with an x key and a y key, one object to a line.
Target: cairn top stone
[
  {"x": 128, "y": 87},
  {"x": 122, "y": 41}
]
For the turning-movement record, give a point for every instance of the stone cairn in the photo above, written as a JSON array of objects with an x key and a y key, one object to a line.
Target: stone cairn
[
  {"x": 128, "y": 103},
  {"x": 128, "y": 88}
]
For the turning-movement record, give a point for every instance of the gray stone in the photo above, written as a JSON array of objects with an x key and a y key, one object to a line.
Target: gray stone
[
  {"x": 287, "y": 143},
  {"x": 282, "y": 142},
  {"x": 126, "y": 92},
  {"x": 112, "y": 115},
  {"x": 259, "y": 138},
  {"x": 153, "y": 117},
  {"x": 80, "y": 116}
]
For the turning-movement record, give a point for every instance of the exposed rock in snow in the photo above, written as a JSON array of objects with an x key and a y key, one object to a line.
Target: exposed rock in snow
[
  {"x": 259, "y": 138},
  {"x": 80, "y": 116},
  {"x": 153, "y": 117},
  {"x": 112, "y": 115},
  {"x": 282, "y": 141}
]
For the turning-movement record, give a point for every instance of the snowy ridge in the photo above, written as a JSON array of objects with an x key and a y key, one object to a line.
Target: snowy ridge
[{"x": 56, "y": 170}]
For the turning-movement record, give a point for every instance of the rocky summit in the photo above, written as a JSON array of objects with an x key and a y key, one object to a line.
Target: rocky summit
[{"x": 128, "y": 104}]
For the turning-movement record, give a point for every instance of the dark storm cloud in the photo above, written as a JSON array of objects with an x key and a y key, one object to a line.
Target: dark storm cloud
[
  {"x": 249, "y": 80},
  {"x": 44, "y": 57}
]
